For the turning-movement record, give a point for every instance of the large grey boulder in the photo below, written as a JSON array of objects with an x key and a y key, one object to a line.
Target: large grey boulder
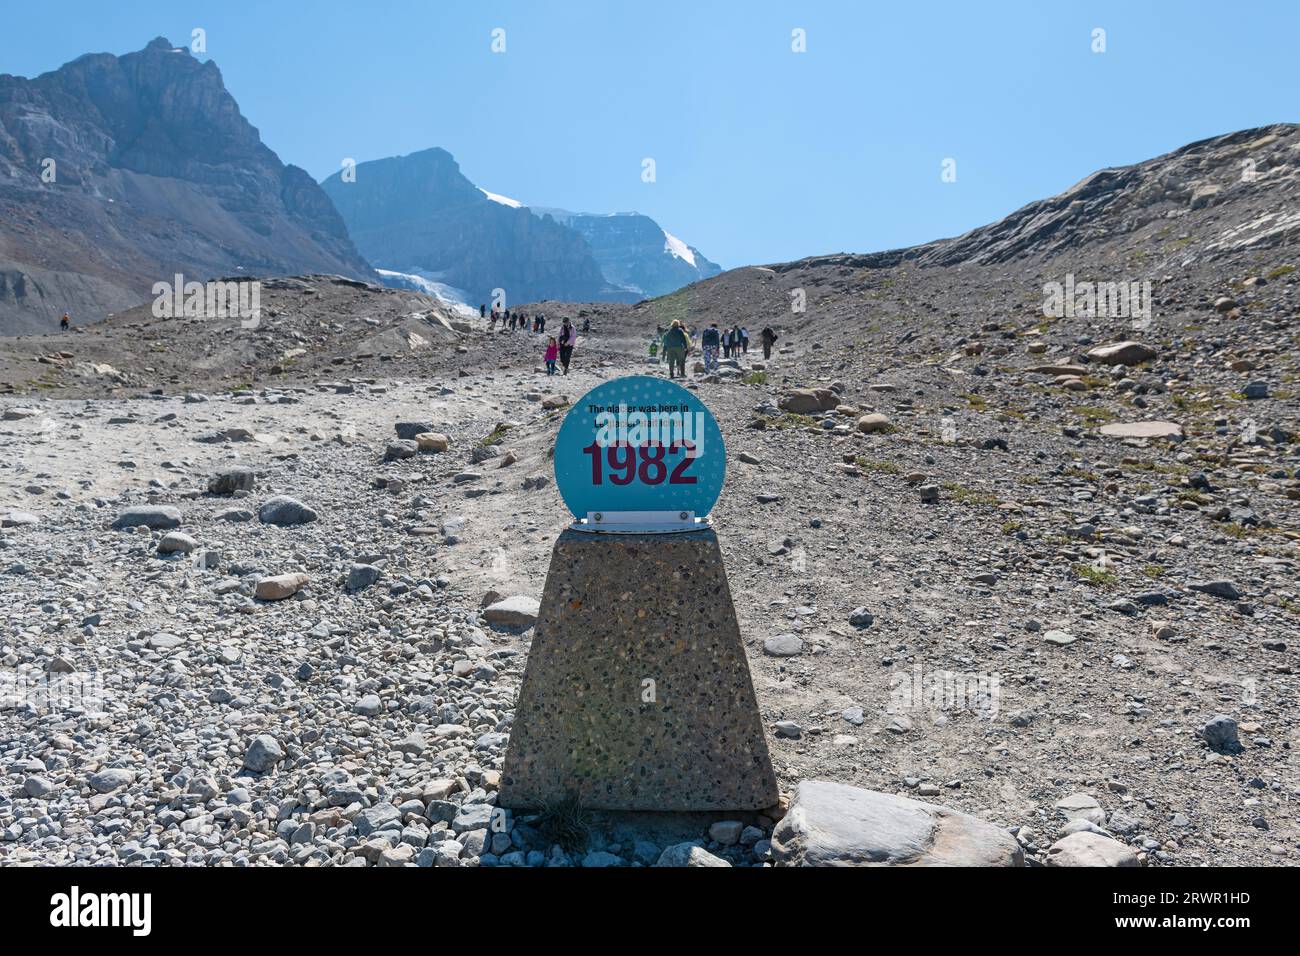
[
  {"x": 361, "y": 576},
  {"x": 113, "y": 778},
  {"x": 263, "y": 753},
  {"x": 150, "y": 516},
  {"x": 1122, "y": 353},
  {"x": 176, "y": 542},
  {"x": 382, "y": 816},
  {"x": 19, "y": 519},
  {"x": 401, "y": 449},
  {"x": 833, "y": 824},
  {"x": 517, "y": 611},
  {"x": 409, "y": 431},
  {"x": 805, "y": 401},
  {"x": 1082, "y": 806},
  {"x": 1086, "y": 848},
  {"x": 230, "y": 480},
  {"x": 1220, "y": 732},
  {"x": 285, "y": 511},
  {"x": 688, "y": 854}
]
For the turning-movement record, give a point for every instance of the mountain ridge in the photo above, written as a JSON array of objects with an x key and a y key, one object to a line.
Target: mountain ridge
[
  {"x": 419, "y": 214},
  {"x": 120, "y": 171}
]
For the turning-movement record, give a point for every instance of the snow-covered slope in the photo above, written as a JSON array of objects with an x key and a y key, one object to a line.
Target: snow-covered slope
[{"x": 635, "y": 253}]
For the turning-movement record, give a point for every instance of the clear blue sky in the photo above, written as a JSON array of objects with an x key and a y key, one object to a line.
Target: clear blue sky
[{"x": 762, "y": 154}]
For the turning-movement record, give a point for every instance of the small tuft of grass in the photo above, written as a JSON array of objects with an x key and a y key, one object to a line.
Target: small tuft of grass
[
  {"x": 496, "y": 436},
  {"x": 755, "y": 378},
  {"x": 1185, "y": 404},
  {"x": 1153, "y": 570},
  {"x": 567, "y": 823},
  {"x": 793, "y": 420},
  {"x": 1094, "y": 576},
  {"x": 1092, "y": 414},
  {"x": 1280, "y": 271},
  {"x": 879, "y": 467},
  {"x": 969, "y": 496}
]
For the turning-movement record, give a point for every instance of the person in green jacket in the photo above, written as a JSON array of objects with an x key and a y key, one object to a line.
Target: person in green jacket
[{"x": 675, "y": 346}]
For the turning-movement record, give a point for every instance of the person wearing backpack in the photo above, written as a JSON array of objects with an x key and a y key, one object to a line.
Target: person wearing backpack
[
  {"x": 676, "y": 342},
  {"x": 710, "y": 341},
  {"x": 744, "y": 340},
  {"x": 768, "y": 335}
]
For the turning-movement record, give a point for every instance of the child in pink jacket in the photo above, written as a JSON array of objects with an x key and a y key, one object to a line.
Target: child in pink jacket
[{"x": 552, "y": 353}]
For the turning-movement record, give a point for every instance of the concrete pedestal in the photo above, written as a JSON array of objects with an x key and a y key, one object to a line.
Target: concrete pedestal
[{"x": 637, "y": 694}]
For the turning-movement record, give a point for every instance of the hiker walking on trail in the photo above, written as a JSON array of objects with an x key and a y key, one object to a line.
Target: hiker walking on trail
[
  {"x": 710, "y": 342},
  {"x": 482, "y": 311},
  {"x": 676, "y": 342},
  {"x": 568, "y": 339},
  {"x": 64, "y": 322},
  {"x": 541, "y": 323},
  {"x": 769, "y": 339},
  {"x": 744, "y": 340},
  {"x": 552, "y": 353}
]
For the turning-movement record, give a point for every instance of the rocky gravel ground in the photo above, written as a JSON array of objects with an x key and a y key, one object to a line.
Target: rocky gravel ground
[{"x": 322, "y": 684}]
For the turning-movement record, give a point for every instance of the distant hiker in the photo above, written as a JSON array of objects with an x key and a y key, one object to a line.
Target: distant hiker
[
  {"x": 654, "y": 350},
  {"x": 568, "y": 339},
  {"x": 63, "y": 322},
  {"x": 744, "y": 340},
  {"x": 492, "y": 322},
  {"x": 482, "y": 311},
  {"x": 541, "y": 322},
  {"x": 733, "y": 341},
  {"x": 710, "y": 342},
  {"x": 676, "y": 342},
  {"x": 552, "y": 353},
  {"x": 586, "y": 325},
  {"x": 769, "y": 339}
]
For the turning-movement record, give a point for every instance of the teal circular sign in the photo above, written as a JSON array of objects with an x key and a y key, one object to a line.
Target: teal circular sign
[{"x": 639, "y": 444}]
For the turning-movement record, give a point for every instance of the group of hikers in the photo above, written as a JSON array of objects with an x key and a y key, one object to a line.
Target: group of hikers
[
  {"x": 677, "y": 342},
  {"x": 559, "y": 348},
  {"x": 730, "y": 342},
  {"x": 513, "y": 320}
]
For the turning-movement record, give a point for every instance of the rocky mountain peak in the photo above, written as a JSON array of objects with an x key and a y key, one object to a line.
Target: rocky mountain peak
[{"x": 119, "y": 171}]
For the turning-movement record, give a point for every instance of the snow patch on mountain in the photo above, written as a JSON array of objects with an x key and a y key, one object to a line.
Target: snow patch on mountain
[
  {"x": 678, "y": 248},
  {"x": 503, "y": 200}
]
